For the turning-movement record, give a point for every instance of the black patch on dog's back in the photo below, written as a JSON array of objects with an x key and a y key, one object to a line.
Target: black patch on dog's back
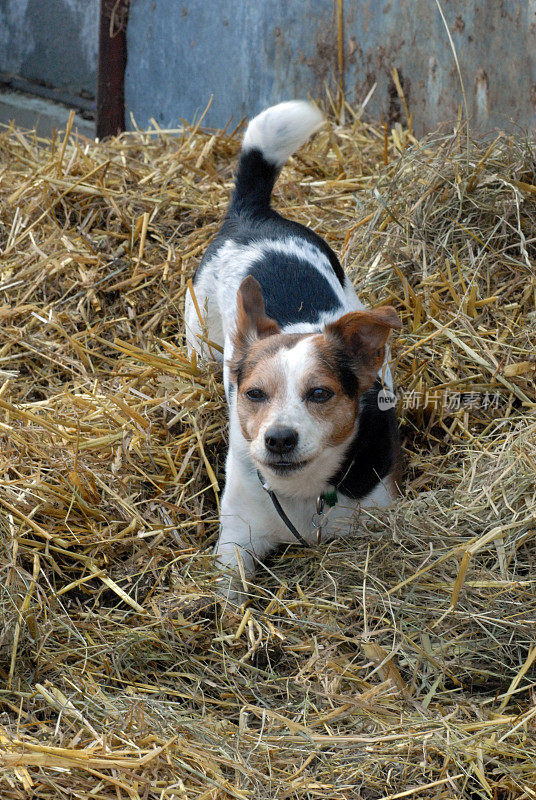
[
  {"x": 293, "y": 290},
  {"x": 371, "y": 454},
  {"x": 250, "y": 217}
]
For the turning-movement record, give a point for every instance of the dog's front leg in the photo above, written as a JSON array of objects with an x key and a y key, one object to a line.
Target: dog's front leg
[{"x": 245, "y": 530}]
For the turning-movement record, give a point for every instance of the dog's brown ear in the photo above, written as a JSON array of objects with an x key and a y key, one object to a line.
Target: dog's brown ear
[
  {"x": 364, "y": 335},
  {"x": 251, "y": 319}
]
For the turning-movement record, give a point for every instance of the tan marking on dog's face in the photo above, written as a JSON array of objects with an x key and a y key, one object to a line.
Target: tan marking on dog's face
[
  {"x": 247, "y": 356},
  {"x": 262, "y": 372},
  {"x": 336, "y": 416}
]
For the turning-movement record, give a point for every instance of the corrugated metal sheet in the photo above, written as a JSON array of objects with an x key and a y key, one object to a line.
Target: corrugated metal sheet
[{"x": 248, "y": 54}]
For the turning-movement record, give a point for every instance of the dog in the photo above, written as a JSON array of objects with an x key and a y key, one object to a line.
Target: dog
[{"x": 306, "y": 371}]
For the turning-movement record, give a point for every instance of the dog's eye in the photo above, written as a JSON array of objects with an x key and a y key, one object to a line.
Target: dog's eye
[
  {"x": 319, "y": 395},
  {"x": 256, "y": 395}
]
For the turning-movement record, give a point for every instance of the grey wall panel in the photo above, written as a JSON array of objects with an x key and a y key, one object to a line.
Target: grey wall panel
[
  {"x": 53, "y": 41},
  {"x": 495, "y": 41},
  {"x": 246, "y": 53},
  {"x": 249, "y": 53}
]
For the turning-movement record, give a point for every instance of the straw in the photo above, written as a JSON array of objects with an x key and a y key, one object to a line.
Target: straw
[{"x": 393, "y": 663}]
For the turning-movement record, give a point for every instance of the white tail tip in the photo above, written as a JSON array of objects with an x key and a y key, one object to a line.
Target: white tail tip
[{"x": 282, "y": 129}]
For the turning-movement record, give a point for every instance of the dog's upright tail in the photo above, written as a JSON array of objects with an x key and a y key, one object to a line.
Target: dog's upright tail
[{"x": 270, "y": 138}]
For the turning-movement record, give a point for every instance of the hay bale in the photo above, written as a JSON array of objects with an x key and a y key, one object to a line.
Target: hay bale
[{"x": 397, "y": 662}]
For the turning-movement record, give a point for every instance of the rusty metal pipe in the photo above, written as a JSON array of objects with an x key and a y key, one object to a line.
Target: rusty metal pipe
[{"x": 112, "y": 64}]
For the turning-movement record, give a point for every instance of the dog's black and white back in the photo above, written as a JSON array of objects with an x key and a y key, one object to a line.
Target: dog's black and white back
[
  {"x": 301, "y": 279},
  {"x": 304, "y": 360}
]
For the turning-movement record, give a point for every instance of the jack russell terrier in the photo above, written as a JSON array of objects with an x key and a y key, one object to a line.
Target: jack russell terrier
[{"x": 313, "y": 434}]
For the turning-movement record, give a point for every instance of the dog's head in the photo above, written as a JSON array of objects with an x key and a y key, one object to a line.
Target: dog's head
[{"x": 298, "y": 394}]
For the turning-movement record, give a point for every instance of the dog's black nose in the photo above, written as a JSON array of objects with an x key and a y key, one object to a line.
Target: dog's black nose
[{"x": 280, "y": 440}]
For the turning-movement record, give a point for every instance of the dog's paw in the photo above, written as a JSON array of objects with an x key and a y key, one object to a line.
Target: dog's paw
[
  {"x": 235, "y": 566},
  {"x": 229, "y": 588}
]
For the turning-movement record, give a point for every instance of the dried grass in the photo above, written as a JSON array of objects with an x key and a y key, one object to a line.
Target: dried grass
[{"x": 396, "y": 663}]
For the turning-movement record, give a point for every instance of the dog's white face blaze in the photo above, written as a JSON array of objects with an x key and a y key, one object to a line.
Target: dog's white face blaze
[{"x": 286, "y": 373}]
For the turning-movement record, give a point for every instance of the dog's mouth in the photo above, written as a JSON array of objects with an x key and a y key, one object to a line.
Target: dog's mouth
[{"x": 285, "y": 467}]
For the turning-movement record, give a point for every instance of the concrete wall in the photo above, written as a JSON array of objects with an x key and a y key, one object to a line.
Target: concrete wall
[
  {"x": 249, "y": 54},
  {"x": 51, "y": 41}
]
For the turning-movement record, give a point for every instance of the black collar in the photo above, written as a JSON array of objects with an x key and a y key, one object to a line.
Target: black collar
[
  {"x": 329, "y": 498},
  {"x": 277, "y": 505}
]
